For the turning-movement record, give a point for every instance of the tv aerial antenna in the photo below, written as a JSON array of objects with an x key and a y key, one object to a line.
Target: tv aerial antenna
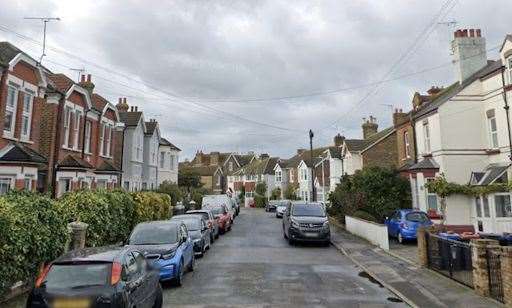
[{"x": 45, "y": 20}]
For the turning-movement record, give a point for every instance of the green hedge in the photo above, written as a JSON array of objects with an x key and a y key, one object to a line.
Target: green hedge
[
  {"x": 32, "y": 232},
  {"x": 34, "y": 227}
]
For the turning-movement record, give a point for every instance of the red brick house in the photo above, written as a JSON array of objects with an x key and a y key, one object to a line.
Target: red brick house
[
  {"x": 22, "y": 92},
  {"x": 84, "y": 127}
]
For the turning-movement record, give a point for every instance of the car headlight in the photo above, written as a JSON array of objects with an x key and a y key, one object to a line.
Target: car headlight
[
  {"x": 326, "y": 224},
  {"x": 197, "y": 240},
  {"x": 168, "y": 255},
  {"x": 295, "y": 224}
]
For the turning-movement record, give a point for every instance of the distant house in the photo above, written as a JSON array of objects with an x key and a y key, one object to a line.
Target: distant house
[
  {"x": 133, "y": 145},
  {"x": 151, "y": 145},
  {"x": 232, "y": 164},
  {"x": 259, "y": 170},
  {"x": 168, "y": 161}
]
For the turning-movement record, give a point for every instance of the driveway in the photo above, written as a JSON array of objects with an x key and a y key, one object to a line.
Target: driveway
[{"x": 253, "y": 266}]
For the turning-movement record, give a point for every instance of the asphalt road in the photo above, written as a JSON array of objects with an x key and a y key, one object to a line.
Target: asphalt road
[{"x": 253, "y": 266}]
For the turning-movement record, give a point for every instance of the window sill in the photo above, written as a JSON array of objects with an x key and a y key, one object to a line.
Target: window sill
[
  {"x": 106, "y": 157},
  {"x": 26, "y": 140},
  {"x": 9, "y": 136},
  {"x": 492, "y": 151},
  {"x": 71, "y": 149}
]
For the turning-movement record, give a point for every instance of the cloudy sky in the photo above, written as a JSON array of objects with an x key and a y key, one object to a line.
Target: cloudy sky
[{"x": 256, "y": 75}]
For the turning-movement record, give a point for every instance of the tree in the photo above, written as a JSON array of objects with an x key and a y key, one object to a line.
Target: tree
[
  {"x": 290, "y": 193},
  {"x": 172, "y": 190},
  {"x": 275, "y": 194},
  {"x": 241, "y": 195},
  {"x": 189, "y": 179},
  {"x": 372, "y": 192},
  {"x": 260, "y": 197}
]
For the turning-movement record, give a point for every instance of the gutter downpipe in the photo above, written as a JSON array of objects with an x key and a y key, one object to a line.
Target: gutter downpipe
[{"x": 506, "y": 107}]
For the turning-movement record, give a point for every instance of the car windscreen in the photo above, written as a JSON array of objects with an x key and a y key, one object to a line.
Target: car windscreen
[
  {"x": 154, "y": 234},
  {"x": 417, "y": 217},
  {"x": 205, "y": 215},
  {"x": 192, "y": 224},
  {"x": 71, "y": 276},
  {"x": 308, "y": 210},
  {"x": 216, "y": 210}
]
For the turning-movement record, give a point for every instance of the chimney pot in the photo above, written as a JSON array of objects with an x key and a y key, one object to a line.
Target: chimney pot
[
  {"x": 465, "y": 33},
  {"x": 131, "y": 108},
  {"x": 136, "y": 108},
  {"x": 124, "y": 100},
  {"x": 120, "y": 100},
  {"x": 478, "y": 33},
  {"x": 471, "y": 32},
  {"x": 88, "y": 77},
  {"x": 82, "y": 79}
]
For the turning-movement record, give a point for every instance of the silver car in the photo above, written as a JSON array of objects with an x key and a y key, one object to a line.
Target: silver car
[{"x": 281, "y": 208}]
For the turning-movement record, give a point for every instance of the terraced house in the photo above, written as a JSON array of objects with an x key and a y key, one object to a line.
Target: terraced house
[{"x": 60, "y": 134}]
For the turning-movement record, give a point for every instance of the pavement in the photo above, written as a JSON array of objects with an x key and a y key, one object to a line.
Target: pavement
[
  {"x": 254, "y": 266},
  {"x": 407, "y": 250},
  {"x": 417, "y": 286}
]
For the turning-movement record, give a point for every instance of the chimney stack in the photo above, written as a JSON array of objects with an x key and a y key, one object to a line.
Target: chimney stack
[
  {"x": 87, "y": 83},
  {"x": 399, "y": 117},
  {"x": 122, "y": 106},
  {"x": 300, "y": 151},
  {"x": 370, "y": 127},
  {"x": 338, "y": 140},
  {"x": 469, "y": 54}
]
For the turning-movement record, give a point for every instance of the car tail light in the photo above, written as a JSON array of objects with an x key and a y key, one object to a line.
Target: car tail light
[
  {"x": 116, "y": 273},
  {"x": 42, "y": 275},
  {"x": 209, "y": 223}
]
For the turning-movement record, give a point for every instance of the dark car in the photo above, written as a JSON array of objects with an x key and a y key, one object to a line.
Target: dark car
[
  {"x": 221, "y": 214},
  {"x": 210, "y": 220},
  {"x": 97, "y": 277},
  {"x": 198, "y": 231},
  {"x": 271, "y": 206},
  {"x": 306, "y": 222},
  {"x": 404, "y": 224},
  {"x": 167, "y": 245}
]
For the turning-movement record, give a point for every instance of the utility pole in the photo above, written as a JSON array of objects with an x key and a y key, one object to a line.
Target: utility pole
[
  {"x": 45, "y": 20},
  {"x": 313, "y": 194}
]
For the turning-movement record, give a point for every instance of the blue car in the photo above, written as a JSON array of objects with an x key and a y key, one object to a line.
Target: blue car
[
  {"x": 168, "y": 245},
  {"x": 404, "y": 223}
]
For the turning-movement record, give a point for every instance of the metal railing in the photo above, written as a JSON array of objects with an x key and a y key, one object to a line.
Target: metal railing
[
  {"x": 450, "y": 258},
  {"x": 494, "y": 273}
]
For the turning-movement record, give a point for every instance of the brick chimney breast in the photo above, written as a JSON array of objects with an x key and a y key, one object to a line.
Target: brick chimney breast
[
  {"x": 399, "y": 117},
  {"x": 338, "y": 140},
  {"x": 469, "y": 53},
  {"x": 87, "y": 83},
  {"x": 370, "y": 127}
]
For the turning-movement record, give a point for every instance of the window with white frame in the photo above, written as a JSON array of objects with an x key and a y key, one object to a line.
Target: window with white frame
[
  {"x": 482, "y": 207},
  {"x": 249, "y": 194},
  {"x": 101, "y": 184},
  {"x": 230, "y": 166},
  {"x": 64, "y": 185},
  {"x": 10, "y": 111},
  {"x": 509, "y": 61},
  {"x": 138, "y": 147},
  {"x": 76, "y": 129},
  {"x": 503, "y": 205},
  {"x": 87, "y": 141},
  {"x": 102, "y": 137},
  {"x": 478, "y": 207},
  {"x": 162, "y": 159},
  {"x": 27, "y": 184},
  {"x": 431, "y": 198},
  {"x": 67, "y": 123},
  {"x": 407, "y": 145},
  {"x": 426, "y": 137},
  {"x": 291, "y": 175},
  {"x": 485, "y": 205},
  {"x": 279, "y": 176},
  {"x": 110, "y": 132},
  {"x": 26, "y": 115},
  {"x": 172, "y": 161},
  {"x": 492, "y": 129},
  {"x": 5, "y": 185},
  {"x": 304, "y": 174}
]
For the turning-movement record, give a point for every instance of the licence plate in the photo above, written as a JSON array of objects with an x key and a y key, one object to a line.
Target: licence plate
[
  {"x": 71, "y": 303},
  {"x": 310, "y": 234}
]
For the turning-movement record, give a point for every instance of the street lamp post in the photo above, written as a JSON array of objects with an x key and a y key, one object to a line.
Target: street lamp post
[{"x": 311, "y": 135}]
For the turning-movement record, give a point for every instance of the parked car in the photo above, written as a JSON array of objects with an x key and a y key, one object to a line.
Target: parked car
[
  {"x": 97, "y": 277},
  {"x": 167, "y": 245},
  {"x": 210, "y": 220},
  {"x": 271, "y": 206},
  {"x": 198, "y": 231},
  {"x": 221, "y": 214},
  {"x": 221, "y": 199},
  {"x": 236, "y": 203},
  {"x": 306, "y": 222},
  {"x": 404, "y": 223},
  {"x": 281, "y": 207}
]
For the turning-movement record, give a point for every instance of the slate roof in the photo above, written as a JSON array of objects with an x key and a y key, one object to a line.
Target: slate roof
[
  {"x": 165, "y": 142},
  {"x": 355, "y": 145},
  {"x": 72, "y": 162},
  {"x": 335, "y": 152},
  {"x": 7, "y": 52},
  {"x": 259, "y": 166},
  {"x": 107, "y": 166},
  {"x": 294, "y": 161},
  {"x": 201, "y": 170},
  {"x": 150, "y": 127},
  {"x": 361, "y": 145},
  {"x": 244, "y": 159},
  {"x": 130, "y": 118},
  {"x": 491, "y": 174},
  {"x": 455, "y": 88},
  {"x": 20, "y": 153},
  {"x": 427, "y": 163}
]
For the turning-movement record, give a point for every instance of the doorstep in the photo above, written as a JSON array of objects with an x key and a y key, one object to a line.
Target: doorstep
[{"x": 416, "y": 286}]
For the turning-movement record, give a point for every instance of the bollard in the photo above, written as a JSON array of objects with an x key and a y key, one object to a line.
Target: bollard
[{"x": 78, "y": 233}]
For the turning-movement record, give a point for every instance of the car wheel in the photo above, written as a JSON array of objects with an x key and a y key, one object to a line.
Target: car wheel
[
  {"x": 192, "y": 263},
  {"x": 291, "y": 241},
  {"x": 212, "y": 238},
  {"x": 218, "y": 233},
  {"x": 179, "y": 278},
  {"x": 400, "y": 238},
  {"x": 158, "y": 299}
]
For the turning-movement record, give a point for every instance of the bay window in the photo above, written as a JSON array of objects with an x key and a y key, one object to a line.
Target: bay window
[
  {"x": 426, "y": 137},
  {"x": 5, "y": 185},
  {"x": 76, "y": 129},
  {"x": 10, "y": 111},
  {"x": 87, "y": 141},
  {"x": 431, "y": 198},
  {"x": 492, "y": 129},
  {"x": 279, "y": 176},
  {"x": 67, "y": 123},
  {"x": 102, "y": 138}
]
